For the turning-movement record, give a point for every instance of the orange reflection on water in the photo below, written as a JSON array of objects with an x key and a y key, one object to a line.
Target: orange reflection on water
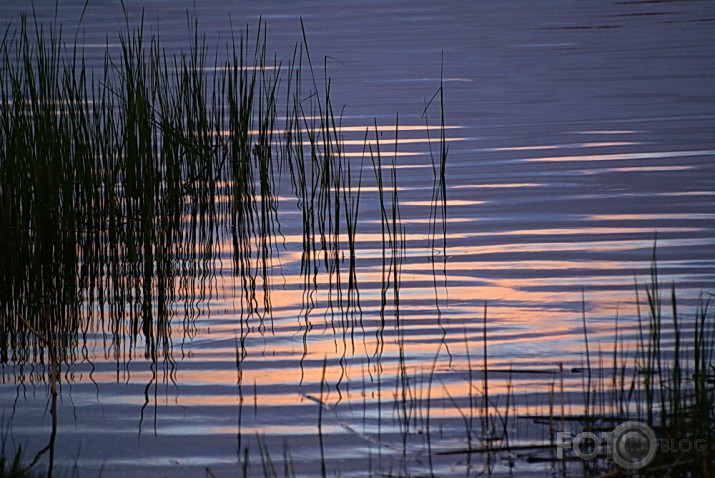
[
  {"x": 657, "y": 216},
  {"x": 571, "y": 231},
  {"x": 602, "y": 144},
  {"x": 386, "y": 143},
  {"x": 623, "y": 156},
  {"x": 497, "y": 185},
  {"x": 451, "y": 202}
]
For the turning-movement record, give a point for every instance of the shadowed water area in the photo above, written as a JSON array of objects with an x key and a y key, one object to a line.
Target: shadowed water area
[{"x": 403, "y": 239}]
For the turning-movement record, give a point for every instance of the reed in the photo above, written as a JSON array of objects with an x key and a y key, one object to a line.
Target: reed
[
  {"x": 676, "y": 402},
  {"x": 14, "y": 468},
  {"x": 660, "y": 381}
]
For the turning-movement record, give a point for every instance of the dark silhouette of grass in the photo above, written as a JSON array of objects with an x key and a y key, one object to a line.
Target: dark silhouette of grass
[{"x": 15, "y": 467}]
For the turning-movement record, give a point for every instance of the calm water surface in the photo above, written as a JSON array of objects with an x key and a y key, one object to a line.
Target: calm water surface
[{"x": 576, "y": 131}]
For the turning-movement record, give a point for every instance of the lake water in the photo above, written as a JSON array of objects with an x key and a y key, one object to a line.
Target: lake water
[{"x": 578, "y": 132}]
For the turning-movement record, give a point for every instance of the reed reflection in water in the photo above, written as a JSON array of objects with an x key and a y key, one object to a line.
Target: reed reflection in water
[{"x": 122, "y": 187}]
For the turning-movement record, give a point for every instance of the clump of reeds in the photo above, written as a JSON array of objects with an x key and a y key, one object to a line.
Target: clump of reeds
[
  {"x": 14, "y": 467},
  {"x": 674, "y": 383},
  {"x": 118, "y": 185},
  {"x": 664, "y": 376}
]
